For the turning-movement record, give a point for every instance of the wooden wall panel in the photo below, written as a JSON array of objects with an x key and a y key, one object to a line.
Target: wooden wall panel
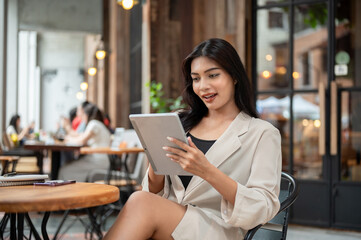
[
  {"x": 123, "y": 68},
  {"x": 166, "y": 46},
  {"x": 199, "y": 21},
  {"x": 90, "y": 46},
  {"x": 175, "y": 27},
  {"x": 111, "y": 66},
  {"x": 221, "y": 19},
  {"x": 117, "y": 90}
]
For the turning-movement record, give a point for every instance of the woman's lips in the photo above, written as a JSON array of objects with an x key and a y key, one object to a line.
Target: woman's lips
[{"x": 209, "y": 97}]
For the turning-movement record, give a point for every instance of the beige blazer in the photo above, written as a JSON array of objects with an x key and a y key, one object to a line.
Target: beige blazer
[{"x": 249, "y": 152}]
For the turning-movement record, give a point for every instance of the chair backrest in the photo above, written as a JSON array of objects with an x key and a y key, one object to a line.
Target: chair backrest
[
  {"x": 276, "y": 228},
  {"x": 7, "y": 141},
  {"x": 135, "y": 160}
]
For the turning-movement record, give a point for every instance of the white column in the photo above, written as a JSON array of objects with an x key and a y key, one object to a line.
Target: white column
[
  {"x": 2, "y": 64},
  {"x": 23, "y": 73},
  {"x": 11, "y": 59},
  {"x": 27, "y": 87}
]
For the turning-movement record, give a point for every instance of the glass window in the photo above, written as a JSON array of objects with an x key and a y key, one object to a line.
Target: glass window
[
  {"x": 269, "y": 2},
  {"x": 348, "y": 75},
  {"x": 310, "y": 46},
  {"x": 306, "y": 126},
  {"x": 275, "y": 109},
  {"x": 272, "y": 49},
  {"x": 348, "y": 43},
  {"x": 350, "y": 136}
]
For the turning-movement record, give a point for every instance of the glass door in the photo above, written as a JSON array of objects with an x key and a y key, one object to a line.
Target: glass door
[
  {"x": 307, "y": 78},
  {"x": 346, "y": 115},
  {"x": 291, "y": 77}
]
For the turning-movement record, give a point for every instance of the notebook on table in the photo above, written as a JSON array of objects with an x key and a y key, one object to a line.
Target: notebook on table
[{"x": 19, "y": 180}]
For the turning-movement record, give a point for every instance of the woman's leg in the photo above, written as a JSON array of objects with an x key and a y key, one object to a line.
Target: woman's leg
[{"x": 146, "y": 215}]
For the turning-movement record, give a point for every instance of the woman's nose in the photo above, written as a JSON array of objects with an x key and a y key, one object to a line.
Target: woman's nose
[{"x": 203, "y": 84}]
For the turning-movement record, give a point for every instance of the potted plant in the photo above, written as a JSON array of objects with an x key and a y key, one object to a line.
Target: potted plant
[{"x": 159, "y": 103}]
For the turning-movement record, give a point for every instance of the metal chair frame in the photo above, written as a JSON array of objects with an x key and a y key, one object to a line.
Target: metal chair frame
[{"x": 287, "y": 197}]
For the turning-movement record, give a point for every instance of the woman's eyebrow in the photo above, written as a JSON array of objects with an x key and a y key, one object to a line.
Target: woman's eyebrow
[
  {"x": 208, "y": 70},
  {"x": 214, "y": 68}
]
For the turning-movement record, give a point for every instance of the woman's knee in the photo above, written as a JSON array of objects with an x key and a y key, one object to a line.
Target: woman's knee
[
  {"x": 140, "y": 199},
  {"x": 141, "y": 203}
]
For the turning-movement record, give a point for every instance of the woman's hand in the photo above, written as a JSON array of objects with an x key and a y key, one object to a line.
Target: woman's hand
[
  {"x": 193, "y": 160},
  {"x": 189, "y": 157}
]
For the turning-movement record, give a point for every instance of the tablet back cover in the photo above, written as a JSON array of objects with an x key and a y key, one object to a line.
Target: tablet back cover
[{"x": 153, "y": 130}]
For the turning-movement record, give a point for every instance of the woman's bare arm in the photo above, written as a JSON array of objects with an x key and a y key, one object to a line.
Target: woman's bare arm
[
  {"x": 82, "y": 139},
  {"x": 156, "y": 182}
]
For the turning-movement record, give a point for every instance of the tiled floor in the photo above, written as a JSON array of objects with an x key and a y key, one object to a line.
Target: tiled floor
[
  {"x": 73, "y": 228},
  {"x": 297, "y": 232},
  {"x": 76, "y": 229}
]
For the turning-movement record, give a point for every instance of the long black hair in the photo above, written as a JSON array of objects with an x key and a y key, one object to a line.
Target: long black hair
[
  {"x": 13, "y": 121},
  {"x": 227, "y": 57},
  {"x": 93, "y": 113}
]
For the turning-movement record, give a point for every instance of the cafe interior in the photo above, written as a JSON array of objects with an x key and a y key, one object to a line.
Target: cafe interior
[{"x": 62, "y": 60}]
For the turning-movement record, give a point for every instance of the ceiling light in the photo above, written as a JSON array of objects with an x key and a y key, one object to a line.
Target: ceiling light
[
  {"x": 100, "y": 54},
  {"x": 92, "y": 71},
  {"x": 84, "y": 86},
  {"x": 127, "y": 4}
]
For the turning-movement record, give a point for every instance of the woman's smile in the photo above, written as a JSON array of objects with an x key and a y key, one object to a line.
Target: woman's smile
[{"x": 209, "y": 97}]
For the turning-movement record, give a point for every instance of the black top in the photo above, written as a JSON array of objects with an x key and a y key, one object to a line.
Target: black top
[{"x": 204, "y": 146}]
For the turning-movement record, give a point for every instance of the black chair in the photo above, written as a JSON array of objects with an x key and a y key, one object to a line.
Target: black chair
[
  {"x": 276, "y": 228},
  {"x": 20, "y": 152}
]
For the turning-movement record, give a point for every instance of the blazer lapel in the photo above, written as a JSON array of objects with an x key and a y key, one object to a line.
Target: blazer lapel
[{"x": 225, "y": 146}]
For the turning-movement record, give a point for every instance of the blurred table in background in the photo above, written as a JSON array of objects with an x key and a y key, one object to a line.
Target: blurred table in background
[{"x": 54, "y": 150}]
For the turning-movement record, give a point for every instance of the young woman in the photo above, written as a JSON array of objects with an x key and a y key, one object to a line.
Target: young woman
[
  {"x": 15, "y": 128},
  {"x": 234, "y": 156},
  {"x": 96, "y": 134}
]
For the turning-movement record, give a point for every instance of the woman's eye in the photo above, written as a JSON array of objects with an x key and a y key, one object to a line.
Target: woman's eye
[
  {"x": 195, "y": 79},
  {"x": 214, "y": 75}
]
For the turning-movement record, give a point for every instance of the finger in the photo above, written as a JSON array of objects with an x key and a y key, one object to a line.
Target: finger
[
  {"x": 191, "y": 142},
  {"x": 174, "y": 158},
  {"x": 178, "y": 142},
  {"x": 175, "y": 151}
]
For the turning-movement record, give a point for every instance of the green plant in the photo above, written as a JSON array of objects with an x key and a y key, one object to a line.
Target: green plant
[{"x": 159, "y": 103}]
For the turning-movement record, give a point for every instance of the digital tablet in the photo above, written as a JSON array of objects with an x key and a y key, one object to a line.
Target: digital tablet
[{"x": 153, "y": 130}]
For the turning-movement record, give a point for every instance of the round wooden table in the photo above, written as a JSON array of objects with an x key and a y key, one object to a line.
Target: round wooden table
[{"x": 23, "y": 199}]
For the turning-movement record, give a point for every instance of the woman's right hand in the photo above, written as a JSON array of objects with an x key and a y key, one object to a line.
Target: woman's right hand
[{"x": 156, "y": 182}]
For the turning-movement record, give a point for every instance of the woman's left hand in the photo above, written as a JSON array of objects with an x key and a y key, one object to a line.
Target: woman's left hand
[{"x": 189, "y": 157}]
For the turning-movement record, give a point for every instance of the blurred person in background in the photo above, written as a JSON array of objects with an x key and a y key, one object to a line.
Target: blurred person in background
[
  {"x": 73, "y": 118},
  {"x": 108, "y": 123},
  {"x": 76, "y": 123},
  {"x": 96, "y": 134},
  {"x": 17, "y": 133},
  {"x": 80, "y": 114}
]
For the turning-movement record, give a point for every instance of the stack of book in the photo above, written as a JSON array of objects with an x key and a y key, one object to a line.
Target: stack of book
[{"x": 19, "y": 180}]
